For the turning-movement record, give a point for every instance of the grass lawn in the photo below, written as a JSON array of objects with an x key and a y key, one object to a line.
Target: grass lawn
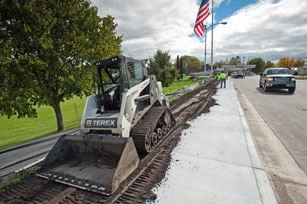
[
  {"x": 301, "y": 77},
  {"x": 176, "y": 85},
  {"x": 15, "y": 131},
  {"x": 177, "y": 97}
]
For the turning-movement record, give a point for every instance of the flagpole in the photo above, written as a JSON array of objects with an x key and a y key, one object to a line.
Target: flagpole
[
  {"x": 205, "y": 66},
  {"x": 212, "y": 44}
]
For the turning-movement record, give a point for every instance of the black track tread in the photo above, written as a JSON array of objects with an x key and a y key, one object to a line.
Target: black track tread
[{"x": 147, "y": 125}]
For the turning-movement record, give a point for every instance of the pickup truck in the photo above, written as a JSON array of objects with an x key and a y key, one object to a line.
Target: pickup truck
[{"x": 280, "y": 78}]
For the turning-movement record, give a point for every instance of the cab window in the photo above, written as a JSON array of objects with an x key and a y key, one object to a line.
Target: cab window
[{"x": 135, "y": 73}]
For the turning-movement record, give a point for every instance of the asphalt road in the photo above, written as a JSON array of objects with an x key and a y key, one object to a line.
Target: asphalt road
[
  {"x": 17, "y": 157},
  {"x": 285, "y": 113}
]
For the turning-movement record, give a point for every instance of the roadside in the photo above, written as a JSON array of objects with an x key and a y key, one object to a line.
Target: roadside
[
  {"x": 301, "y": 77},
  {"x": 288, "y": 178},
  {"x": 216, "y": 160}
]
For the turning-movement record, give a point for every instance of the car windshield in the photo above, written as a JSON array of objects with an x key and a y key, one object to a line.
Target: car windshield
[{"x": 278, "y": 71}]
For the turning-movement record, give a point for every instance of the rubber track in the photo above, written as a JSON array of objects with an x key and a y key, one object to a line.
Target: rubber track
[{"x": 147, "y": 125}]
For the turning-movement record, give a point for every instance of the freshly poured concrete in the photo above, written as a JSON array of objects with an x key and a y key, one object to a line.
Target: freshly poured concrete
[{"x": 216, "y": 160}]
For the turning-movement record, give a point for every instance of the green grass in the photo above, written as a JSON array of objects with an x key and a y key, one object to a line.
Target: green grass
[
  {"x": 18, "y": 177},
  {"x": 15, "y": 131},
  {"x": 176, "y": 85},
  {"x": 177, "y": 97},
  {"x": 301, "y": 77}
]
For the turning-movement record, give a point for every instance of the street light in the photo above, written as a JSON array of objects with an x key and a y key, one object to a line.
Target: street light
[
  {"x": 243, "y": 62},
  {"x": 223, "y": 23}
]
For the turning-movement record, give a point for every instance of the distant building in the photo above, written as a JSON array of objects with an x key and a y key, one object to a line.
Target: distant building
[
  {"x": 236, "y": 68},
  {"x": 225, "y": 68},
  {"x": 302, "y": 70}
]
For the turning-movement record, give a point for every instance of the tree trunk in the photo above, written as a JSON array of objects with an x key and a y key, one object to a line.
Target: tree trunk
[{"x": 58, "y": 114}]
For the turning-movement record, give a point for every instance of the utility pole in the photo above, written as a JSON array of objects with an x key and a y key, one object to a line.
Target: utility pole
[
  {"x": 243, "y": 66},
  {"x": 243, "y": 62}
]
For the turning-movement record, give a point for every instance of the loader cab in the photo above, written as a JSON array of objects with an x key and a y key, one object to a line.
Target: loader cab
[{"x": 115, "y": 76}]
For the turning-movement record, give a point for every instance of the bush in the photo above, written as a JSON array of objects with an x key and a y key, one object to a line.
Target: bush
[{"x": 160, "y": 65}]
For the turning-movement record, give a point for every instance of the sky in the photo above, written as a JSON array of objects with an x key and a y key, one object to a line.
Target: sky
[{"x": 270, "y": 29}]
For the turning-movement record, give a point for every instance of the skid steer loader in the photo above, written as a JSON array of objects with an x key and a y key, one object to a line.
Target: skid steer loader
[{"x": 128, "y": 116}]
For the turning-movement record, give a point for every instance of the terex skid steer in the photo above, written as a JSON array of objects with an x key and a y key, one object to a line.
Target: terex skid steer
[{"x": 128, "y": 116}]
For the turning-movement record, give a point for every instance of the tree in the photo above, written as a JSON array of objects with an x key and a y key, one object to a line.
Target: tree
[
  {"x": 48, "y": 50},
  {"x": 235, "y": 60},
  {"x": 286, "y": 62},
  {"x": 160, "y": 65},
  {"x": 181, "y": 68},
  {"x": 218, "y": 64},
  {"x": 226, "y": 62},
  {"x": 269, "y": 64},
  {"x": 238, "y": 60},
  {"x": 178, "y": 63},
  {"x": 193, "y": 64},
  {"x": 299, "y": 62},
  {"x": 260, "y": 64}
]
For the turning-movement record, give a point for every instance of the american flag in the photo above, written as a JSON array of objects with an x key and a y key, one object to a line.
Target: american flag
[{"x": 202, "y": 14}]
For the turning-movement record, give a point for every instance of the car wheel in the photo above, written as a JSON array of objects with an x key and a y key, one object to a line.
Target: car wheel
[
  {"x": 260, "y": 85},
  {"x": 265, "y": 88},
  {"x": 291, "y": 90}
]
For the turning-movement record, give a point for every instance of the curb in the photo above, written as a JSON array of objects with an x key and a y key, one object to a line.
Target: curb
[{"x": 264, "y": 184}]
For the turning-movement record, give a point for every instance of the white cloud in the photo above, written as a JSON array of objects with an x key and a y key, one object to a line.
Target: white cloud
[
  {"x": 217, "y": 3},
  {"x": 267, "y": 29},
  {"x": 151, "y": 25}
]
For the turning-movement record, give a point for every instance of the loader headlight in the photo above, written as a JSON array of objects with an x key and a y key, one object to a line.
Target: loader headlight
[{"x": 270, "y": 79}]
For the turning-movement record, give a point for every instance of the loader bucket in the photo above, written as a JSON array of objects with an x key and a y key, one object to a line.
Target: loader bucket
[{"x": 96, "y": 163}]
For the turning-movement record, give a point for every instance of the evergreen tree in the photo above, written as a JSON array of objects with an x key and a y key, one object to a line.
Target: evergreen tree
[
  {"x": 177, "y": 63},
  {"x": 181, "y": 69}
]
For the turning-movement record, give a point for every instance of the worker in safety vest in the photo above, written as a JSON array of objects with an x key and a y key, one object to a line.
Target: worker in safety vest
[{"x": 223, "y": 79}]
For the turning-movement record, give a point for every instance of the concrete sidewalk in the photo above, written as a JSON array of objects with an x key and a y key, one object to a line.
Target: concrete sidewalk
[{"x": 216, "y": 161}]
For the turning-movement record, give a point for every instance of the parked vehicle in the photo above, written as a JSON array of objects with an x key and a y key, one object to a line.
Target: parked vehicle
[
  {"x": 294, "y": 71},
  {"x": 280, "y": 78},
  {"x": 238, "y": 75},
  {"x": 250, "y": 74}
]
